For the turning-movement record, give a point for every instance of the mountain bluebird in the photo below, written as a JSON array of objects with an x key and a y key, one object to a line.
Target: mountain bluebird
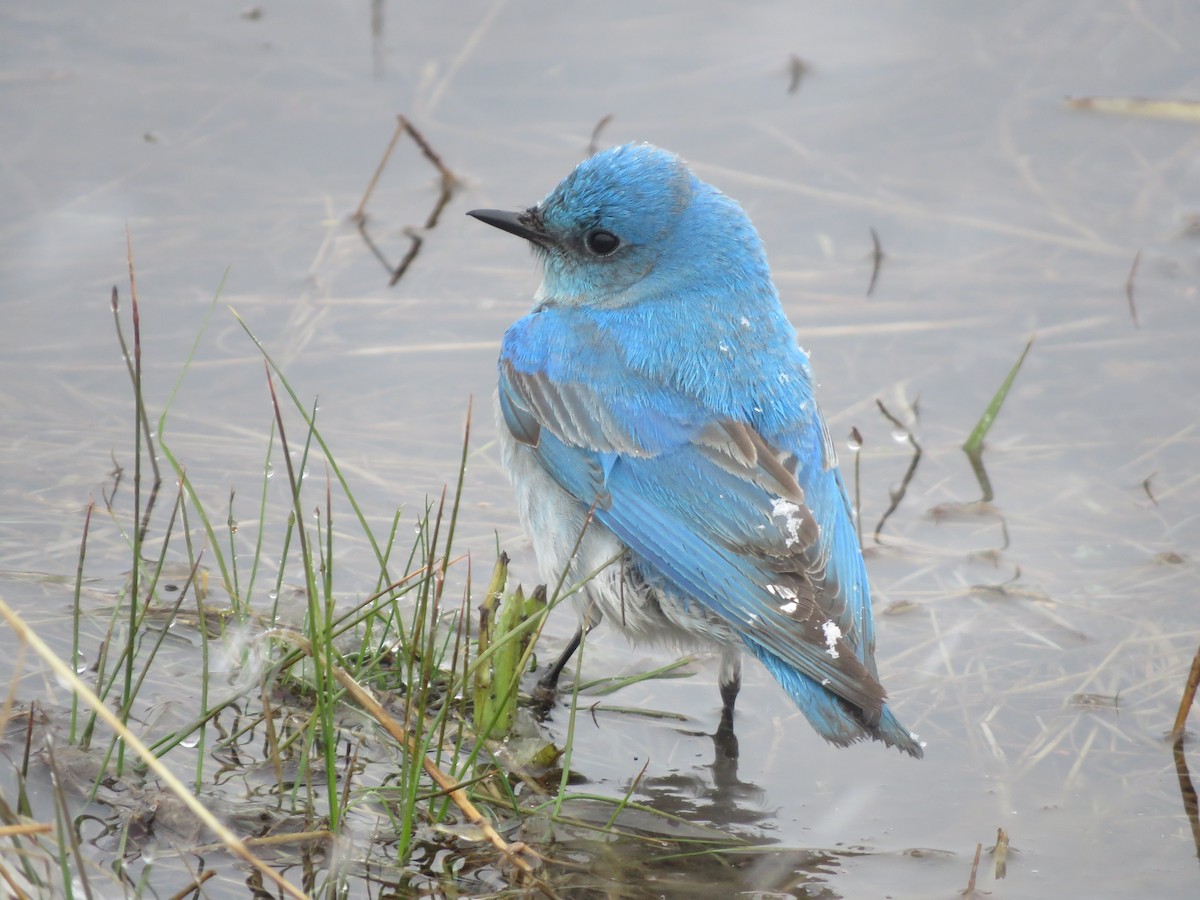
[{"x": 658, "y": 422}]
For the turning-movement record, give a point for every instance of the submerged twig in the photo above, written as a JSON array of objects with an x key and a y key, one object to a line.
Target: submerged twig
[{"x": 969, "y": 893}]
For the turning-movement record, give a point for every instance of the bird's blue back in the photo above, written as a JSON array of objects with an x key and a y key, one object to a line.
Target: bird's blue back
[{"x": 662, "y": 383}]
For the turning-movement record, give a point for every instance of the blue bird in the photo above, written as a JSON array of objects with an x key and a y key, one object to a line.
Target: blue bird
[{"x": 655, "y": 402}]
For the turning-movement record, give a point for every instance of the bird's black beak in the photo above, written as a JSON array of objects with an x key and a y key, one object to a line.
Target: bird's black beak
[{"x": 526, "y": 224}]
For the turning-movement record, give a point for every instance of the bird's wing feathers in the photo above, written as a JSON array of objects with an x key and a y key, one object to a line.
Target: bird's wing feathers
[
  {"x": 759, "y": 534},
  {"x": 584, "y": 416}
]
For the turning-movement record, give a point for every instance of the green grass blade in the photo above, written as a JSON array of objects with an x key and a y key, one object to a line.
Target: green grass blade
[{"x": 974, "y": 444}]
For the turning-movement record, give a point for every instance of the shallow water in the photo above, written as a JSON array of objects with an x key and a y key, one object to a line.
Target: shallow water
[{"x": 227, "y": 143}]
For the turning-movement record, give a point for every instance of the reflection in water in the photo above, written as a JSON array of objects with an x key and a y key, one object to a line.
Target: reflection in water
[
  {"x": 706, "y": 837},
  {"x": 1191, "y": 805},
  {"x": 721, "y": 799}
]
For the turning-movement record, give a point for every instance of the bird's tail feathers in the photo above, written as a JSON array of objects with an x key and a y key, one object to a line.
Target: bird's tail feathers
[{"x": 833, "y": 718}]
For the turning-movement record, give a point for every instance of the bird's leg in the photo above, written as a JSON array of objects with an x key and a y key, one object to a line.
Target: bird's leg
[
  {"x": 547, "y": 686},
  {"x": 731, "y": 682}
]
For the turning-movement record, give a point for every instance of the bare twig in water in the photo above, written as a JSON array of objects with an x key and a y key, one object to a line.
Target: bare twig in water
[
  {"x": 431, "y": 155},
  {"x": 448, "y": 183},
  {"x": 797, "y": 69},
  {"x": 1189, "y": 697},
  {"x": 193, "y": 889},
  {"x": 413, "y": 249},
  {"x": 969, "y": 893},
  {"x": 360, "y": 213},
  {"x": 1137, "y": 259},
  {"x": 877, "y": 257},
  {"x": 594, "y": 143},
  {"x": 898, "y": 494}
]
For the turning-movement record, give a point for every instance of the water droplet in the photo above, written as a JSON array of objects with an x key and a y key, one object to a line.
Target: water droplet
[
  {"x": 723, "y": 347},
  {"x": 855, "y": 442}
]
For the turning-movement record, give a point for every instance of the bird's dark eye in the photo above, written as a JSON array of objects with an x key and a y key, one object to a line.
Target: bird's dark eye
[{"x": 602, "y": 243}]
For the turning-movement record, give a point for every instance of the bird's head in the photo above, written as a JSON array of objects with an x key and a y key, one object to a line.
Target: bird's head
[{"x": 629, "y": 224}]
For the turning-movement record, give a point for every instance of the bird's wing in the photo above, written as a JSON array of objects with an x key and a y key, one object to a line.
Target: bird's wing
[{"x": 758, "y": 532}]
